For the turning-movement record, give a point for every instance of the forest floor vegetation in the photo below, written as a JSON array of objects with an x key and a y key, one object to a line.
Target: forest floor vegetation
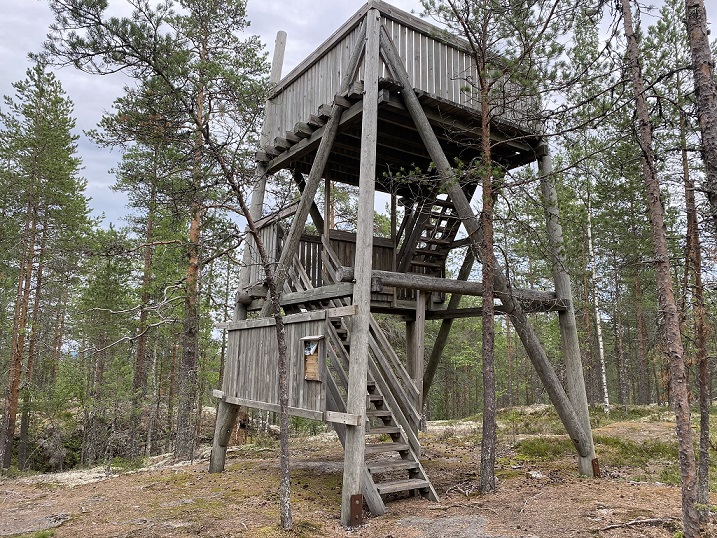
[{"x": 539, "y": 493}]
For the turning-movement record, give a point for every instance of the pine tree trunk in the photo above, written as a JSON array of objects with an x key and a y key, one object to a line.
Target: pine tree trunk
[
  {"x": 643, "y": 371},
  {"x": 139, "y": 381},
  {"x": 694, "y": 261},
  {"x": 488, "y": 444},
  {"x": 184, "y": 444},
  {"x": 706, "y": 91},
  {"x": 23, "y": 449},
  {"x": 17, "y": 345},
  {"x": 620, "y": 362},
  {"x": 672, "y": 336}
]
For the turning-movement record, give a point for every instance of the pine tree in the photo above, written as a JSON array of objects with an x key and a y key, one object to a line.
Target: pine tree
[
  {"x": 514, "y": 46},
  {"x": 672, "y": 336},
  {"x": 211, "y": 78},
  {"x": 39, "y": 152}
]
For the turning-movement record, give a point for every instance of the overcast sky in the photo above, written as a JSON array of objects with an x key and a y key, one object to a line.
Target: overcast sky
[{"x": 25, "y": 22}]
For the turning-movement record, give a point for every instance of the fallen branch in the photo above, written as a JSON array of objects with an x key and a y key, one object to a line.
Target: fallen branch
[
  {"x": 466, "y": 488},
  {"x": 525, "y": 504},
  {"x": 635, "y": 522}
]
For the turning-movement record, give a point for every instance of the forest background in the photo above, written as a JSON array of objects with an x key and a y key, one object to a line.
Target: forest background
[{"x": 97, "y": 316}]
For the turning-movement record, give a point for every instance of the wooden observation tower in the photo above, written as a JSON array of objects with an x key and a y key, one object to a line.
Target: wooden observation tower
[{"x": 386, "y": 92}]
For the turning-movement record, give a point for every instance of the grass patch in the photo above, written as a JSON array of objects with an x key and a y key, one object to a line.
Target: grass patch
[
  {"x": 544, "y": 448},
  {"x": 536, "y": 420},
  {"x": 625, "y": 453}
]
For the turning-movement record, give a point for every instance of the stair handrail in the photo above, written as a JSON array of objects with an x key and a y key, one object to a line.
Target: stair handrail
[{"x": 384, "y": 360}]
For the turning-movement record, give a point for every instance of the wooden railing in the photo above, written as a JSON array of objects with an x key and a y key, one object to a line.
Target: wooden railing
[
  {"x": 389, "y": 374},
  {"x": 436, "y": 62}
]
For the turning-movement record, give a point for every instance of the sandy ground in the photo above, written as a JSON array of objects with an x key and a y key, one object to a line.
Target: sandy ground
[{"x": 544, "y": 500}]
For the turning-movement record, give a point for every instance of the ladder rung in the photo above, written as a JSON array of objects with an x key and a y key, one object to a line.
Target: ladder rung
[
  {"x": 429, "y": 252},
  {"x": 379, "y": 430},
  {"x": 431, "y": 265},
  {"x": 378, "y": 413}
]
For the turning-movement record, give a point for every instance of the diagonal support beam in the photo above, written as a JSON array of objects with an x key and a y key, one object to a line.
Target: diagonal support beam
[
  {"x": 291, "y": 244},
  {"x": 313, "y": 210},
  {"x": 531, "y": 343}
]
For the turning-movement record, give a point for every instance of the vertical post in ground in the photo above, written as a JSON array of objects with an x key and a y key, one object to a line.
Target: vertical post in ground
[
  {"x": 575, "y": 381},
  {"x": 358, "y": 367}
]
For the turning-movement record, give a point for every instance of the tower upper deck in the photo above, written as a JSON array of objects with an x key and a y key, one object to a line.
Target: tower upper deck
[{"x": 441, "y": 70}]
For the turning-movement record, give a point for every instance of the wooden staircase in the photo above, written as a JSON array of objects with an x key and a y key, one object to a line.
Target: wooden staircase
[
  {"x": 392, "y": 463},
  {"x": 426, "y": 233},
  {"x": 392, "y": 416}
]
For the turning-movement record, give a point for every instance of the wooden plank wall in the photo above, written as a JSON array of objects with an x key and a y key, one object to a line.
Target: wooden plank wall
[
  {"x": 315, "y": 87},
  {"x": 434, "y": 66},
  {"x": 271, "y": 237},
  {"x": 251, "y": 372}
]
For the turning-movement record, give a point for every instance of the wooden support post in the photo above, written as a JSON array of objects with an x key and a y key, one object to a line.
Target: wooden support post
[
  {"x": 442, "y": 339},
  {"x": 574, "y": 378},
  {"x": 226, "y": 412},
  {"x": 416, "y": 345},
  {"x": 291, "y": 243},
  {"x": 226, "y": 420},
  {"x": 520, "y": 321},
  {"x": 354, "y": 449}
]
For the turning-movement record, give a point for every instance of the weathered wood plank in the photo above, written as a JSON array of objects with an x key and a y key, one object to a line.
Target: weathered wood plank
[
  {"x": 342, "y": 418},
  {"x": 358, "y": 368},
  {"x": 265, "y": 406},
  {"x": 447, "y": 285},
  {"x": 324, "y": 293}
]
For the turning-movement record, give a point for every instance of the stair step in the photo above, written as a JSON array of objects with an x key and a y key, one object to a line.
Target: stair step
[
  {"x": 435, "y": 240},
  {"x": 446, "y": 216},
  {"x": 443, "y": 203},
  {"x": 375, "y": 398},
  {"x": 378, "y": 413},
  {"x": 431, "y": 265},
  {"x": 378, "y": 448},
  {"x": 370, "y": 385},
  {"x": 402, "y": 485},
  {"x": 385, "y": 466},
  {"x": 428, "y": 252},
  {"x": 379, "y": 430}
]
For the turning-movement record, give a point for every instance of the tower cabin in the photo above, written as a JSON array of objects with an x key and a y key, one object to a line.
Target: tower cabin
[{"x": 387, "y": 94}]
